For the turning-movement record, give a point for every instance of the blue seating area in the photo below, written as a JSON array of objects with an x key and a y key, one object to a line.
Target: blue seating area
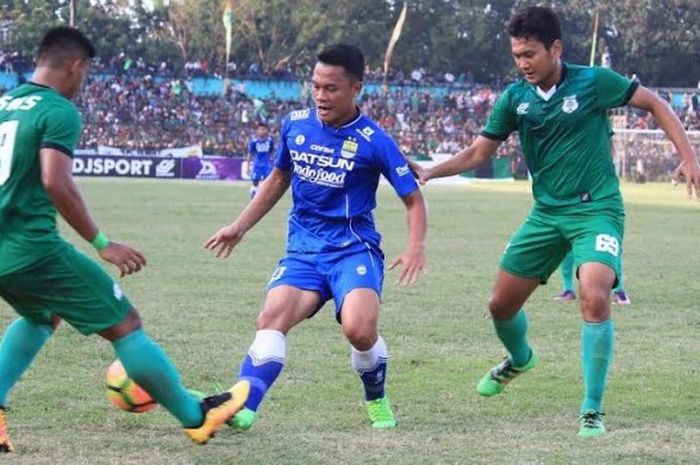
[{"x": 286, "y": 89}]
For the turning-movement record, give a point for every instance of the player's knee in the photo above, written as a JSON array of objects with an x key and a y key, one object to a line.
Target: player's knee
[
  {"x": 500, "y": 310},
  {"x": 361, "y": 338},
  {"x": 595, "y": 304}
]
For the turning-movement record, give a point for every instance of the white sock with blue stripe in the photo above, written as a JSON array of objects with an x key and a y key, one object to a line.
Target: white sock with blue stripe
[
  {"x": 262, "y": 364},
  {"x": 371, "y": 366}
]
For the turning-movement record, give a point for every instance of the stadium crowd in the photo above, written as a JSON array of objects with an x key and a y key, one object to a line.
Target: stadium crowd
[{"x": 127, "y": 107}]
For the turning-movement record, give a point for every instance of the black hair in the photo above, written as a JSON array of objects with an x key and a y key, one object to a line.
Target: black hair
[
  {"x": 349, "y": 57},
  {"x": 540, "y": 23},
  {"x": 64, "y": 42},
  {"x": 262, "y": 124}
]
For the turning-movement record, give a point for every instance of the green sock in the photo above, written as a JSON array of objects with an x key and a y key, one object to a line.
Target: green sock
[
  {"x": 148, "y": 365},
  {"x": 513, "y": 335},
  {"x": 620, "y": 283},
  {"x": 596, "y": 355},
  {"x": 567, "y": 271},
  {"x": 20, "y": 344}
]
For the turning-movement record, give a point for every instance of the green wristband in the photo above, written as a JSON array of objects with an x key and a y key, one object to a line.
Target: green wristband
[{"x": 100, "y": 242}]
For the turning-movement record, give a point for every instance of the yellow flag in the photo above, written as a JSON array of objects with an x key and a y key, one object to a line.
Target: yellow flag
[
  {"x": 228, "y": 25},
  {"x": 594, "y": 41},
  {"x": 394, "y": 38}
]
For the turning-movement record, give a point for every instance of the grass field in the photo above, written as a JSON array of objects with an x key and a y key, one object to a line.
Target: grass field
[{"x": 202, "y": 310}]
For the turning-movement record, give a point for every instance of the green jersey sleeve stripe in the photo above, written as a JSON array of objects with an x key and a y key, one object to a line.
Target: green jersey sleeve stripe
[
  {"x": 488, "y": 135},
  {"x": 60, "y": 148},
  {"x": 630, "y": 92}
]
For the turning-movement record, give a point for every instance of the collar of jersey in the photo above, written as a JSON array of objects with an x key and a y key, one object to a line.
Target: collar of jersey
[
  {"x": 346, "y": 125},
  {"x": 548, "y": 95},
  {"x": 38, "y": 85}
]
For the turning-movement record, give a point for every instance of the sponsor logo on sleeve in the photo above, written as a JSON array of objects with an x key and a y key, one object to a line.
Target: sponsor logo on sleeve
[
  {"x": 300, "y": 139},
  {"x": 402, "y": 170},
  {"x": 366, "y": 133},
  {"x": 296, "y": 115}
]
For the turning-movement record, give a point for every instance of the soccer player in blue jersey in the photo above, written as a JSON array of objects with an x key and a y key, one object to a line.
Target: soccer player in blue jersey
[
  {"x": 332, "y": 156},
  {"x": 559, "y": 111},
  {"x": 259, "y": 161}
]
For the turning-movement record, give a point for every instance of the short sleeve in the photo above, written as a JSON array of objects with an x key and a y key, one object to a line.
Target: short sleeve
[
  {"x": 282, "y": 159},
  {"x": 501, "y": 121},
  {"x": 394, "y": 167},
  {"x": 612, "y": 89},
  {"x": 61, "y": 128}
]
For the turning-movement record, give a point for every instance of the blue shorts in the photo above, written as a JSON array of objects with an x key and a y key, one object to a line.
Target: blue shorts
[
  {"x": 331, "y": 274},
  {"x": 260, "y": 173}
]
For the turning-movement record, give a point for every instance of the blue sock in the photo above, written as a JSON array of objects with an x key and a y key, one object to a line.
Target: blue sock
[
  {"x": 262, "y": 364},
  {"x": 370, "y": 365},
  {"x": 147, "y": 364},
  {"x": 513, "y": 335},
  {"x": 567, "y": 271},
  {"x": 596, "y": 355},
  {"x": 20, "y": 344}
]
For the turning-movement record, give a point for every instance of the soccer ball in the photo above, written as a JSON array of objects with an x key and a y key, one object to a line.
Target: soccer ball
[{"x": 124, "y": 393}]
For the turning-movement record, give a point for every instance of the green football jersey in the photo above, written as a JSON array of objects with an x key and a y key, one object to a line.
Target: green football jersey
[
  {"x": 31, "y": 117},
  {"x": 565, "y": 135}
]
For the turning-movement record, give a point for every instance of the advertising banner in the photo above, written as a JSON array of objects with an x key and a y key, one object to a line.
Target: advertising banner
[
  {"x": 213, "y": 168},
  {"x": 128, "y": 166}
]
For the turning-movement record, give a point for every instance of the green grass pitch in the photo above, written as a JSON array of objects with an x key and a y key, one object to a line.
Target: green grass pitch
[{"x": 202, "y": 310}]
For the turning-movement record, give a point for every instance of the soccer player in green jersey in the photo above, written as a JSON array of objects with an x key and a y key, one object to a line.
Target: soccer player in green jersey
[
  {"x": 559, "y": 111},
  {"x": 42, "y": 276}
]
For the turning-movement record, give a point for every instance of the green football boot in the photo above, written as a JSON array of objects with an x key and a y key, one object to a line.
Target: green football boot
[
  {"x": 380, "y": 413},
  {"x": 499, "y": 376},
  {"x": 591, "y": 424}
]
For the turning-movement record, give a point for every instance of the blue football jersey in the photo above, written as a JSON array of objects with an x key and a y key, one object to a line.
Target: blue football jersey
[
  {"x": 261, "y": 151},
  {"x": 335, "y": 173}
]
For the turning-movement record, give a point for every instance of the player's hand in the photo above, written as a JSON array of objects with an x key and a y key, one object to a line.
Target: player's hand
[
  {"x": 420, "y": 173},
  {"x": 224, "y": 240},
  {"x": 413, "y": 261},
  {"x": 124, "y": 257},
  {"x": 691, "y": 173}
]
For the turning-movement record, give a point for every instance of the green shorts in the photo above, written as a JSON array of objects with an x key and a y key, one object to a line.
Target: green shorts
[
  {"x": 538, "y": 247},
  {"x": 70, "y": 285}
]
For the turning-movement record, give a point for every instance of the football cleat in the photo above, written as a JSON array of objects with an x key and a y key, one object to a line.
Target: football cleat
[
  {"x": 495, "y": 381},
  {"x": 217, "y": 410},
  {"x": 566, "y": 295},
  {"x": 380, "y": 413},
  {"x": 591, "y": 424}
]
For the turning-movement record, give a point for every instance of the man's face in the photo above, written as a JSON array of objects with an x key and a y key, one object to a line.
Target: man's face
[
  {"x": 537, "y": 64},
  {"x": 334, "y": 94},
  {"x": 261, "y": 132}
]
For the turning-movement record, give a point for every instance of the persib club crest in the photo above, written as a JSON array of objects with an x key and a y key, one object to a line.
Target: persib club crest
[
  {"x": 349, "y": 148},
  {"x": 570, "y": 104}
]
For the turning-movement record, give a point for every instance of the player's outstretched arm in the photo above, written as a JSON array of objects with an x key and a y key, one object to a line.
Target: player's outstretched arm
[
  {"x": 57, "y": 178},
  {"x": 467, "y": 159},
  {"x": 413, "y": 257},
  {"x": 668, "y": 121},
  {"x": 271, "y": 190}
]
